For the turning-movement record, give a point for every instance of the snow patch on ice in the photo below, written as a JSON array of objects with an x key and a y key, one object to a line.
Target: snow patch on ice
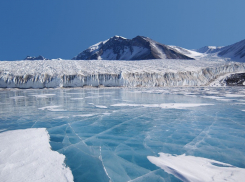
[
  {"x": 226, "y": 100},
  {"x": 84, "y": 115},
  {"x": 52, "y": 108},
  {"x": 17, "y": 97},
  {"x": 43, "y": 95},
  {"x": 234, "y": 95},
  {"x": 213, "y": 97},
  {"x": 76, "y": 98},
  {"x": 164, "y": 106},
  {"x": 197, "y": 169},
  {"x": 61, "y": 117},
  {"x": 99, "y": 106},
  {"x": 26, "y": 156}
]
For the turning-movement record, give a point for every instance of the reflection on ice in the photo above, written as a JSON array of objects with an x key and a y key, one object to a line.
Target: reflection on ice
[{"x": 107, "y": 134}]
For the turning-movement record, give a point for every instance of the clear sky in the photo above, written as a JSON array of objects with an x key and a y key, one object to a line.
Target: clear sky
[{"x": 63, "y": 28}]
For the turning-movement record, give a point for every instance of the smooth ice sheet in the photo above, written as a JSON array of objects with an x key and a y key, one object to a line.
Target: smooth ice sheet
[
  {"x": 25, "y": 155},
  {"x": 109, "y": 133}
]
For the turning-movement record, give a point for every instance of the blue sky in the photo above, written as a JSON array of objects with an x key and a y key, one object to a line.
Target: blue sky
[{"x": 63, "y": 28}]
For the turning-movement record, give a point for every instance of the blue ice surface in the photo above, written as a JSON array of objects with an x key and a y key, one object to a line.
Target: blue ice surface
[{"x": 102, "y": 142}]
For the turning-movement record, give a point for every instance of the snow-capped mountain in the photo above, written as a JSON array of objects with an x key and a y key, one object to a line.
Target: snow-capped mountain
[
  {"x": 234, "y": 52},
  {"x": 138, "y": 48},
  {"x": 35, "y": 58},
  {"x": 144, "y": 48},
  {"x": 190, "y": 53}
]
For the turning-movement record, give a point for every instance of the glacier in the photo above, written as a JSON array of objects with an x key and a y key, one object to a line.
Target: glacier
[
  {"x": 144, "y": 73},
  {"x": 116, "y": 134}
]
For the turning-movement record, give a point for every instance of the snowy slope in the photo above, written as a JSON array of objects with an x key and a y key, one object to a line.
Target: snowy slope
[
  {"x": 138, "y": 48},
  {"x": 208, "y": 49},
  {"x": 144, "y": 48},
  {"x": 144, "y": 73},
  {"x": 190, "y": 53},
  {"x": 234, "y": 52}
]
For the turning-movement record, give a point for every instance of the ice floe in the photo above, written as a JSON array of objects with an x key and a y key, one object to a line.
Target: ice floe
[{"x": 26, "y": 156}]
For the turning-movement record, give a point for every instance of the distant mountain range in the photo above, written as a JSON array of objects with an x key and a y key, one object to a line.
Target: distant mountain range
[
  {"x": 143, "y": 48},
  {"x": 208, "y": 49},
  {"x": 235, "y": 52},
  {"x": 35, "y": 58}
]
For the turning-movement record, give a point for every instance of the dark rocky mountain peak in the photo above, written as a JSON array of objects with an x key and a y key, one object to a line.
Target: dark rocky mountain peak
[{"x": 138, "y": 48}]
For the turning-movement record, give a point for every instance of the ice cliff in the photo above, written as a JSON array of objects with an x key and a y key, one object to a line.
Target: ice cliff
[{"x": 145, "y": 73}]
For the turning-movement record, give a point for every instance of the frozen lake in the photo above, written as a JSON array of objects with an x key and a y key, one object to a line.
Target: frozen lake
[{"x": 116, "y": 134}]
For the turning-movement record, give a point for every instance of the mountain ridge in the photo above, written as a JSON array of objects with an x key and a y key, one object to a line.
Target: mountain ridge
[
  {"x": 234, "y": 52},
  {"x": 138, "y": 48},
  {"x": 35, "y": 58},
  {"x": 144, "y": 48}
]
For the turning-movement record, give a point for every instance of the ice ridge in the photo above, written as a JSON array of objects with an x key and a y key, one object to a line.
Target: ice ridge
[{"x": 62, "y": 73}]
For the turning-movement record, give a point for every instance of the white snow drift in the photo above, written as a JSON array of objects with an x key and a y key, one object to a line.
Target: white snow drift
[
  {"x": 25, "y": 155},
  {"x": 197, "y": 169}
]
